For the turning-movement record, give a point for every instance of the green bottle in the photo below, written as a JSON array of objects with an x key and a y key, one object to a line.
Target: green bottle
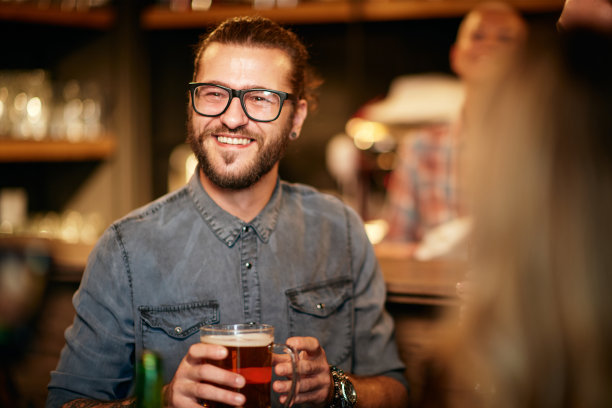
[{"x": 149, "y": 381}]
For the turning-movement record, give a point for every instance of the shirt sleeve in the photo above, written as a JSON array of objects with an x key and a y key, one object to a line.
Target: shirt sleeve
[
  {"x": 376, "y": 350},
  {"x": 97, "y": 361}
]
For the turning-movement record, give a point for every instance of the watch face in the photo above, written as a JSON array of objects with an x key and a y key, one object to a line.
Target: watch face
[{"x": 348, "y": 392}]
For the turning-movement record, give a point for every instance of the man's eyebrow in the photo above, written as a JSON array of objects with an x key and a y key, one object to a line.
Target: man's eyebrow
[{"x": 225, "y": 84}]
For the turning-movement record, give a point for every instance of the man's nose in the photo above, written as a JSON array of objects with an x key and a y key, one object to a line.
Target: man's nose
[{"x": 234, "y": 116}]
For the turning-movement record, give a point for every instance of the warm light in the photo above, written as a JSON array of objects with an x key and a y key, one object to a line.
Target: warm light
[
  {"x": 91, "y": 110},
  {"x": 20, "y": 102},
  {"x": 73, "y": 110},
  {"x": 376, "y": 230},
  {"x": 366, "y": 133},
  {"x": 363, "y": 140},
  {"x": 201, "y": 4},
  {"x": 34, "y": 108}
]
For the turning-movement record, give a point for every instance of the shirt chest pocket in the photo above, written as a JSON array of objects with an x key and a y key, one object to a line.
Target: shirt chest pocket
[
  {"x": 324, "y": 310},
  {"x": 171, "y": 329}
]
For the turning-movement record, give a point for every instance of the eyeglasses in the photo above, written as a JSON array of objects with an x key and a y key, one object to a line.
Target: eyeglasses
[{"x": 261, "y": 105}]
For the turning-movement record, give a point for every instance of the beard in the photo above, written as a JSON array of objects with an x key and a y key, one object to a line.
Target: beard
[{"x": 268, "y": 155}]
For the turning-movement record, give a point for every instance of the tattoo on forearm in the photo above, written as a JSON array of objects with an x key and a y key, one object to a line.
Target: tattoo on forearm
[{"x": 87, "y": 403}]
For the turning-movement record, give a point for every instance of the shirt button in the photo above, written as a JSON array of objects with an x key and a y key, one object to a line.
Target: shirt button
[
  {"x": 248, "y": 265},
  {"x": 245, "y": 228},
  {"x": 178, "y": 330},
  {"x": 320, "y": 306}
]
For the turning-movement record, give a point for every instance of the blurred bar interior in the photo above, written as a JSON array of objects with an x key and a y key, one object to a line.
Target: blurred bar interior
[{"x": 92, "y": 125}]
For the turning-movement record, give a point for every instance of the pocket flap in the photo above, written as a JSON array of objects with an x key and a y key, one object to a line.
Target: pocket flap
[
  {"x": 182, "y": 320},
  {"x": 321, "y": 299}
]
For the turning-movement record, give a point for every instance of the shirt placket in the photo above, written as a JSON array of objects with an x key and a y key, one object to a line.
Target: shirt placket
[{"x": 251, "y": 293}]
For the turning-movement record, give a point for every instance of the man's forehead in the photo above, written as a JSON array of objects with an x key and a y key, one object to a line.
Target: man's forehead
[
  {"x": 272, "y": 54},
  {"x": 256, "y": 60}
]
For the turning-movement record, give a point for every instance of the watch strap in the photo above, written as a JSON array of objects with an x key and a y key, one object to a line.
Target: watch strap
[{"x": 341, "y": 383}]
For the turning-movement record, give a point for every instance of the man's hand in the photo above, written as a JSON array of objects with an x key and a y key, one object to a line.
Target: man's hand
[
  {"x": 315, "y": 384},
  {"x": 196, "y": 380}
]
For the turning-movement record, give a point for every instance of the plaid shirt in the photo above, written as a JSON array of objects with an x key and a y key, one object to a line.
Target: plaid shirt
[{"x": 423, "y": 189}]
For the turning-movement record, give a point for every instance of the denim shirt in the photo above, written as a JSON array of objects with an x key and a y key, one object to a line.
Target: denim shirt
[{"x": 303, "y": 265}]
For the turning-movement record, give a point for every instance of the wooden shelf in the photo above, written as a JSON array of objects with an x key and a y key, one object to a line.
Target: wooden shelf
[
  {"x": 340, "y": 11},
  {"x": 68, "y": 259},
  {"x": 382, "y": 10},
  {"x": 51, "y": 151},
  {"x": 96, "y": 18},
  {"x": 160, "y": 17}
]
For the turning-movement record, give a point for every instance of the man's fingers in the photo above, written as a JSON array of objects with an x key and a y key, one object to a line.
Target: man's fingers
[
  {"x": 305, "y": 368},
  {"x": 216, "y": 375},
  {"x": 305, "y": 385},
  {"x": 202, "y": 351},
  {"x": 209, "y": 392},
  {"x": 307, "y": 391},
  {"x": 280, "y": 358},
  {"x": 310, "y": 345},
  {"x": 310, "y": 368},
  {"x": 284, "y": 370}
]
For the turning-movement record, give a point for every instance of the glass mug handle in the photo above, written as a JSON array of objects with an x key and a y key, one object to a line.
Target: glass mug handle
[{"x": 285, "y": 349}]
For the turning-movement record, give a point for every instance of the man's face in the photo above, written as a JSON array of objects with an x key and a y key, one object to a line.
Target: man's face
[
  {"x": 485, "y": 40},
  {"x": 234, "y": 151}
]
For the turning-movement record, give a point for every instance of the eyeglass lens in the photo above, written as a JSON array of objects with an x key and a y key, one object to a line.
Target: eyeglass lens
[{"x": 260, "y": 105}]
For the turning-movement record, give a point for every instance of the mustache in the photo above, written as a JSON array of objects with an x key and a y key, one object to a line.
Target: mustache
[{"x": 222, "y": 129}]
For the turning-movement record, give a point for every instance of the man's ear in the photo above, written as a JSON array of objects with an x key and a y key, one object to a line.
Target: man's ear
[{"x": 301, "y": 111}]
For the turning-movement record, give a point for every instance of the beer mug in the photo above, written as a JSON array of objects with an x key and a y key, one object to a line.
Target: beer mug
[{"x": 251, "y": 353}]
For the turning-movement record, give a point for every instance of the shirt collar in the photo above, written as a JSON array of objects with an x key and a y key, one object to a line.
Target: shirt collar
[{"x": 227, "y": 227}]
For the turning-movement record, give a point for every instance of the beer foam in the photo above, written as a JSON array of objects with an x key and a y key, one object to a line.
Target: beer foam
[{"x": 239, "y": 340}]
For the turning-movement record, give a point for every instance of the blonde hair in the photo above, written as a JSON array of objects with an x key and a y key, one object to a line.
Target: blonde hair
[{"x": 538, "y": 329}]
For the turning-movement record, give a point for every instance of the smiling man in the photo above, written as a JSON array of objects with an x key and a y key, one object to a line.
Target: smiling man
[{"x": 235, "y": 245}]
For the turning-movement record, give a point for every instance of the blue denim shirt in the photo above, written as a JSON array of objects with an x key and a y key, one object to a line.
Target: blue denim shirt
[{"x": 303, "y": 265}]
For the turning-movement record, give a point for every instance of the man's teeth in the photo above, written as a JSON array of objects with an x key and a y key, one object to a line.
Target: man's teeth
[{"x": 233, "y": 140}]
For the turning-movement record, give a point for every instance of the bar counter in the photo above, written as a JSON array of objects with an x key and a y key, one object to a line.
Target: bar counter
[
  {"x": 420, "y": 294},
  {"x": 410, "y": 281}
]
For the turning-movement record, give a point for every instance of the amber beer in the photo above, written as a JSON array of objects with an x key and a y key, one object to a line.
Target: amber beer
[{"x": 250, "y": 355}]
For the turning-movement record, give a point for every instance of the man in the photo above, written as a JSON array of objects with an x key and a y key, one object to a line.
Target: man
[
  {"x": 424, "y": 190},
  {"x": 235, "y": 245}
]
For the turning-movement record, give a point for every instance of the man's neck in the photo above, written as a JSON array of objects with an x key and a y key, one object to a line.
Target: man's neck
[{"x": 247, "y": 203}]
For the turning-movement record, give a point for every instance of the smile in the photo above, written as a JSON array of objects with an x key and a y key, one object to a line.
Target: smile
[{"x": 234, "y": 140}]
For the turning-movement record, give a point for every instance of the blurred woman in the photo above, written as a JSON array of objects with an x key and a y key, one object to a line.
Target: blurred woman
[{"x": 537, "y": 331}]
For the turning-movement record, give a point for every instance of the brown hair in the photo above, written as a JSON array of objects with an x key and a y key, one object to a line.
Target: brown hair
[
  {"x": 538, "y": 328},
  {"x": 262, "y": 32}
]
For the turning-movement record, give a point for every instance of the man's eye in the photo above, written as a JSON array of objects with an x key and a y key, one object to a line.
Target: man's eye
[
  {"x": 506, "y": 38},
  {"x": 477, "y": 36},
  {"x": 260, "y": 99},
  {"x": 212, "y": 95}
]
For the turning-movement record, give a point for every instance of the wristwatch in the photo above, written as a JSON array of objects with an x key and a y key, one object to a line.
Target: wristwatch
[{"x": 344, "y": 392}]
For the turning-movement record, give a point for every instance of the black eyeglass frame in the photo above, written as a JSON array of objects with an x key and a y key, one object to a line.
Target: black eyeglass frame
[{"x": 235, "y": 93}]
